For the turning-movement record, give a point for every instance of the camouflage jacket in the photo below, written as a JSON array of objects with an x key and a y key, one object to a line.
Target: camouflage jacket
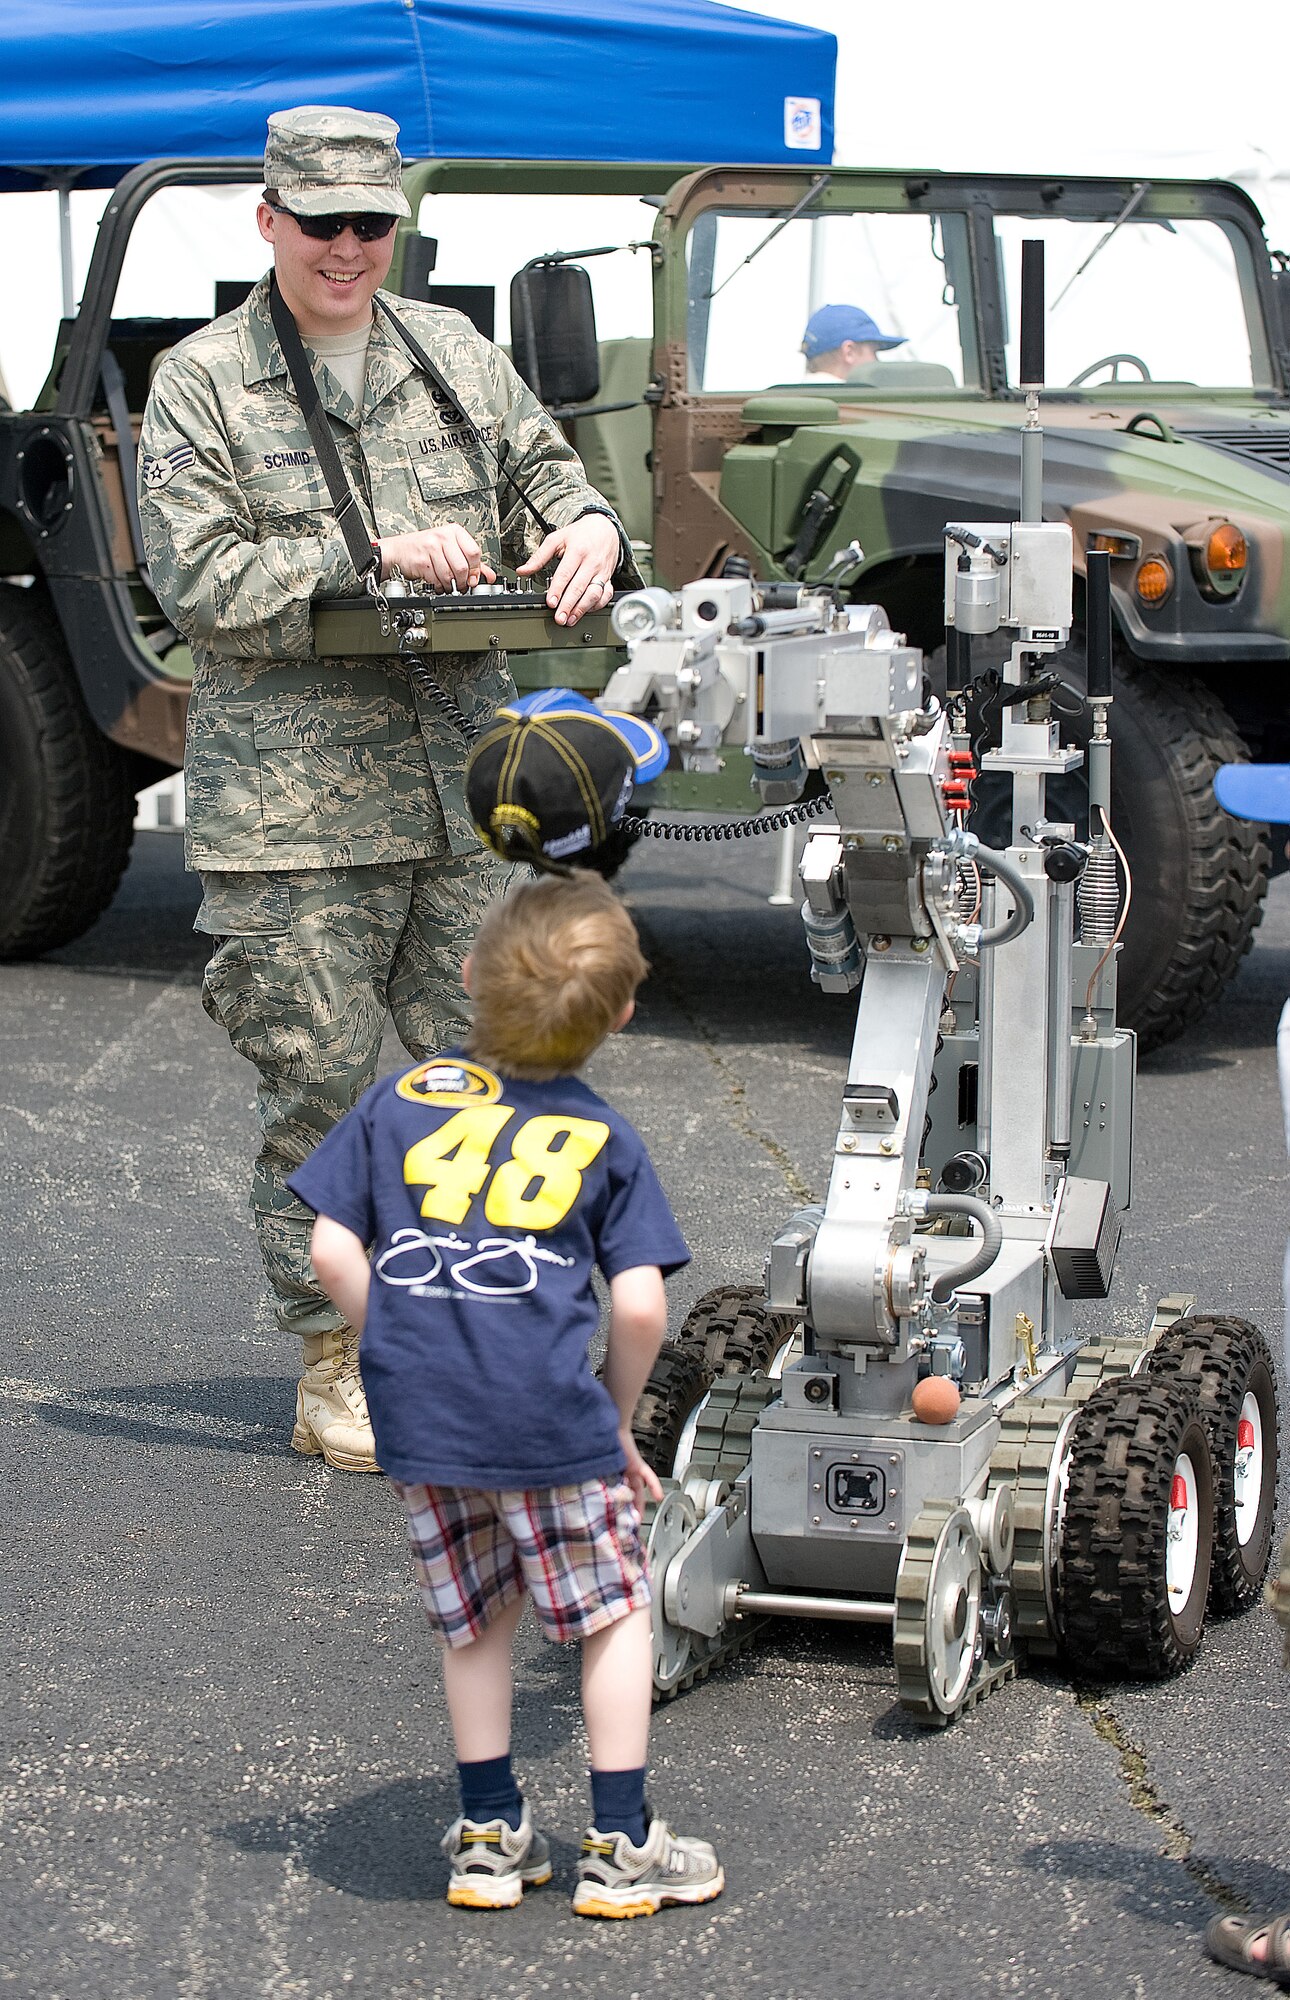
[{"x": 294, "y": 762}]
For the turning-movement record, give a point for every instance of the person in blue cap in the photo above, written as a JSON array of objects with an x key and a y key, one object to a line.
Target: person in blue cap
[{"x": 840, "y": 339}]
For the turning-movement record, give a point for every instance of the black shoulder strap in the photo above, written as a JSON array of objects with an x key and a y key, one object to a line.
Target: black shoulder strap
[
  {"x": 453, "y": 400},
  {"x": 363, "y": 556}
]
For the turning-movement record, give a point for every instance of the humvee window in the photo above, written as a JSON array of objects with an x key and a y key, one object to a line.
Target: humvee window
[
  {"x": 195, "y": 236},
  {"x": 747, "y": 322},
  {"x": 1165, "y": 297},
  {"x": 484, "y": 238}
]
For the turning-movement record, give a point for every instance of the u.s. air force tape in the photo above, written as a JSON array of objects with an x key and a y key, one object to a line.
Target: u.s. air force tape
[{"x": 156, "y": 471}]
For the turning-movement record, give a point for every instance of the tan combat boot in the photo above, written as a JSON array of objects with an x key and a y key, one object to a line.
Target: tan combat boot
[{"x": 331, "y": 1409}]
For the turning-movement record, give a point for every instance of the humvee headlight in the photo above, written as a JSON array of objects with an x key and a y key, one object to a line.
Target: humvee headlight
[
  {"x": 1154, "y": 580},
  {"x": 1219, "y": 555},
  {"x": 1226, "y": 549},
  {"x": 1226, "y": 555},
  {"x": 640, "y": 614}
]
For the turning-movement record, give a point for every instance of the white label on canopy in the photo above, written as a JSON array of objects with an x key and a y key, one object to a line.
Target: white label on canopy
[{"x": 802, "y": 124}]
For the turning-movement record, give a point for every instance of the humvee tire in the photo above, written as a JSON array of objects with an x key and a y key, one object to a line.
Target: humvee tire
[
  {"x": 1199, "y": 876},
  {"x": 67, "y": 798}
]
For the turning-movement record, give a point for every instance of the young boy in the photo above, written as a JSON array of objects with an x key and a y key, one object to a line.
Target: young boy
[{"x": 485, "y": 1185}]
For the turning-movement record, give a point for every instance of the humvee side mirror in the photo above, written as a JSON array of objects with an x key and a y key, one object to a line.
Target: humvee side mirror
[
  {"x": 420, "y": 255},
  {"x": 553, "y": 334}
]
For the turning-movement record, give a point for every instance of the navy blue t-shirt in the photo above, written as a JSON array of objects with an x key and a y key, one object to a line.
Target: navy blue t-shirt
[{"x": 485, "y": 1202}]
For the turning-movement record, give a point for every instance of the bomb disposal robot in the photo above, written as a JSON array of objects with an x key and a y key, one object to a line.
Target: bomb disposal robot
[{"x": 905, "y": 1427}]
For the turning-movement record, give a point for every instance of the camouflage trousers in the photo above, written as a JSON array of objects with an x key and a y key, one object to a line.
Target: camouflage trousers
[{"x": 305, "y": 966}]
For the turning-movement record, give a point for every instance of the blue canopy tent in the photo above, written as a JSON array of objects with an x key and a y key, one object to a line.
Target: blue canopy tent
[{"x": 92, "y": 87}]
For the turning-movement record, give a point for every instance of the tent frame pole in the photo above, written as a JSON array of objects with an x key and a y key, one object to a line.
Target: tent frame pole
[{"x": 65, "y": 246}]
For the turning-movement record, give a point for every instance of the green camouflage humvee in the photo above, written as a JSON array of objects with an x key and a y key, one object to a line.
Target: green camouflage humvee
[{"x": 1167, "y": 431}]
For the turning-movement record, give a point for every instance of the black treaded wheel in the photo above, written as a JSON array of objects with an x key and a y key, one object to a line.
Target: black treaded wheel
[
  {"x": 732, "y": 1331},
  {"x": 676, "y": 1386},
  {"x": 1199, "y": 876},
  {"x": 1134, "y": 1568},
  {"x": 728, "y": 1331},
  {"x": 66, "y": 792},
  {"x": 1227, "y": 1362}
]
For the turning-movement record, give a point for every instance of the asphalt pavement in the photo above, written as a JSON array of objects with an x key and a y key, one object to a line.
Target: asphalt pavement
[{"x": 225, "y": 1754}]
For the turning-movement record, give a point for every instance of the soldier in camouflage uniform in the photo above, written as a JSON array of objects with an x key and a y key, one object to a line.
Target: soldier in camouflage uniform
[{"x": 341, "y": 873}]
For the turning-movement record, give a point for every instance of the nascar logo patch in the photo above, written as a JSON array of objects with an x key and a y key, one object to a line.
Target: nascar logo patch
[{"x": 156, "y": 471}]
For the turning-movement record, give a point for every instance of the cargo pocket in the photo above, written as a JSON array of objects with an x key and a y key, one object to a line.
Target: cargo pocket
[
  {"x": 324, "y": 774},
  {"x": 255, "y": 986}
]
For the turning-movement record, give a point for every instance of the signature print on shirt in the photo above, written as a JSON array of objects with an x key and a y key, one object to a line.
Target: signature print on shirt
[{"x": 490, "y": 1252}]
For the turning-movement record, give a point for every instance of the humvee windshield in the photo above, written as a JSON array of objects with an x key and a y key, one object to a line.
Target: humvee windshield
[{"x": 1173, "y": 300}]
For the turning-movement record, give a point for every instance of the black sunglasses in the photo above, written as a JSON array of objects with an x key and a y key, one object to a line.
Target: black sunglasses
[{"x": 326, "y": 228}]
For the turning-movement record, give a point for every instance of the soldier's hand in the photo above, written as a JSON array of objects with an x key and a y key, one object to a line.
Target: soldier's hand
[
  {"x": 589, "y": 551},
  {"x": 440, "y": 556}
]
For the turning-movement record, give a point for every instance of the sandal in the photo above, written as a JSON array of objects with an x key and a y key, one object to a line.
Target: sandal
[{"x": 1228, "y": 1939}]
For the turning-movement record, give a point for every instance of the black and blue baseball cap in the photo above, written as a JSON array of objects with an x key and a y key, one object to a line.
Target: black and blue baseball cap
[
  {"x": 828, "y": 327},
  {"x": 550, "y": 779},
  {"x": 648, "y": 747}
]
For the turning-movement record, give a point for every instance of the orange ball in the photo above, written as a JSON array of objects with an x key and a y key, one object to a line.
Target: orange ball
[{"x": 936, "y": 1400}]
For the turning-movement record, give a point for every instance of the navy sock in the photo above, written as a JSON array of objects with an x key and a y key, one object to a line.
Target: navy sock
[
  {"x": 489, "y": 1791},
  {"x": 618, "y": 1803}
]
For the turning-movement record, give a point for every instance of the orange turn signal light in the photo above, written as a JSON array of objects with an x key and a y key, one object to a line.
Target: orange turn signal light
[
  {"x": 1104, "y": 542},
  {"x": 1154, "y": 580},
  {"x": 1226, "y": 552}
]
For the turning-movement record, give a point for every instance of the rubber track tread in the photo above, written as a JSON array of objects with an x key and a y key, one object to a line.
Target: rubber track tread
[
  {"x": 723, "y": 1438},
  {"x": 81, "y": 794},
  {"x": 1115, "y": 1611},
  {"x": 909, "y": 1628},
  {"x": 722, "y": 1449},
  {"x": 1216, "y": 1355},
  {"x": 1023, "y": 1459},
  {"x": 734, "y": 1640}
]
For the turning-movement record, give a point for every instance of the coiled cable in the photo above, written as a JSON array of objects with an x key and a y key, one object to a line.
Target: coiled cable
[{"x": 730, "y": 829}]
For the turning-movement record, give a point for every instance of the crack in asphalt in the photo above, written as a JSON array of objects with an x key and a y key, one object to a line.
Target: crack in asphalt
[
  {"x": 668, "y": 978},
  {"x": 1177, "y": 1843}
]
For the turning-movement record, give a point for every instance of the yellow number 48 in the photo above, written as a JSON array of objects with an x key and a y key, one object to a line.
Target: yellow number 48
[{"x": 534, "y": 1189}]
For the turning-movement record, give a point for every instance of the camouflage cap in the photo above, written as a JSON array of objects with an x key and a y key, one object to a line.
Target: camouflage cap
[{"x": 323, "y": 159}]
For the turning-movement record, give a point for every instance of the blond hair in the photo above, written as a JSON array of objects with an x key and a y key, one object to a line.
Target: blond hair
[{"x": 554, "y": 964}]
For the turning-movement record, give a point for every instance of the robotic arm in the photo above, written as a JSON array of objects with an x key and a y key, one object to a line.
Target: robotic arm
[{"x": 798, "y": 683}]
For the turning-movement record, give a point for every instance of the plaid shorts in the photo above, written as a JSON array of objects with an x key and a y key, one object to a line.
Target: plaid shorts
[{"x": 576, "y": 1551}]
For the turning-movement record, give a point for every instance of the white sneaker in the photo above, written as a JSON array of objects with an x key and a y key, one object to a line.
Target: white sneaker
[
  {"x": 492, "y": 1863},
  {"x": 331, "y": 1409},
  {"x": 616, "y": 1879}
]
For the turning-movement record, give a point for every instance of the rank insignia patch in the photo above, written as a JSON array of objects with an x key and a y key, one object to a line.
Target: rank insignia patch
[{"x": 156, "y": 471}]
